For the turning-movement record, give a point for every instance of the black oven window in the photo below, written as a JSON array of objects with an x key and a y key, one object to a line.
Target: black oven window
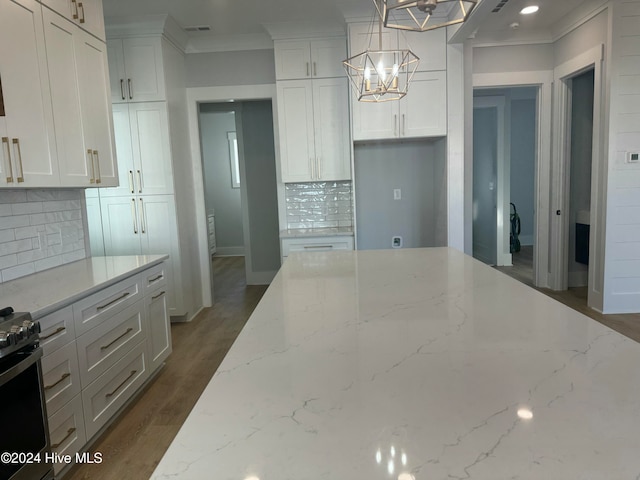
[{"x": 23, "y": 423}]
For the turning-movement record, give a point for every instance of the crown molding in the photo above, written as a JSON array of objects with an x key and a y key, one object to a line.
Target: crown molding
[
  {"x": 212, "y": 43},
  {"x": 147, "y": 25},
  {"x": 289, "y": 30}
]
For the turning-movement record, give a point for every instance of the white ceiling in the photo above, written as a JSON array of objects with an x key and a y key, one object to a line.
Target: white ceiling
[{"x": 233, "y": 18}]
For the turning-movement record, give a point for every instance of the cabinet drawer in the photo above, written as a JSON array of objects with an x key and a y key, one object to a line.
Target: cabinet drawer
[
  {"x": 60, "y": 376},
  {"x": 100, "y": 348},
  {"x": 92, "y": 310},
  {"x": 154, "y": 278},
  {"x": 57, "y": 329},
  {"x": 66, "y": 431},
  {"x": 316, "y": 244},
  {"x": 104, "y": 397}
]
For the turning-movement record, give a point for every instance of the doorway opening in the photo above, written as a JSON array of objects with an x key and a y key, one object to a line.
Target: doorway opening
[
  {"x": 240, "y": 190},
  {"x": 505, "y": 139}
]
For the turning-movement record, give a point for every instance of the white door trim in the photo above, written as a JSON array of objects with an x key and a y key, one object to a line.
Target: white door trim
[
  {"x": 199, "y": 95},
  {"x": 543, "y": 80},
  {"x": 560, "y": 195}
]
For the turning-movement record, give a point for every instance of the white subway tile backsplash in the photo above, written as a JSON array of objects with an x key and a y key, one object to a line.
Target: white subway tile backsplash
[
  {"x": 319, "y": 204},
  {"x": 39, "y": 229}
]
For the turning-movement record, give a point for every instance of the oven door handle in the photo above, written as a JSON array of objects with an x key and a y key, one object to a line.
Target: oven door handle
[{"x": 29, "y": 359}]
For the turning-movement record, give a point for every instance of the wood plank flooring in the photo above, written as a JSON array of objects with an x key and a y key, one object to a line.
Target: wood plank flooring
[{"x": 135, "y": 443}]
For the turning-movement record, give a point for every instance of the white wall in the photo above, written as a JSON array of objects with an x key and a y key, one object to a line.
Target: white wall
[
  {"x": 249, "y": 67},
  {"x": 590, "y": 34},
  {"x": 513, "y": 58},
  {"x": 622, "y": 267}
]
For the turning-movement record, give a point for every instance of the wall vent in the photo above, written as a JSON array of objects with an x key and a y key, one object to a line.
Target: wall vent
[
  {"x": 198, "y": 28},
  {"x": 499, "y": 6}
]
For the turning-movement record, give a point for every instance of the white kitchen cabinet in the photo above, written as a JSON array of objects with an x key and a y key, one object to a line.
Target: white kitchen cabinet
[
  {"x": 158, "y": 330},
  {"x": 86, "y": 14},
  {"x": 315, "y": 244},
  {"x": 313, "y": 120},
  {"x": 137, "y": 72},
  {"x": 320, "y": 58},
  {"x": 143, "y": 149},
  {"x": 67, "y": 432},
  {"x": 421, "y": 113},
  {"x": 76, "y": 63},
  {"x": 430, "y": 47},
  {"x": 60, "y": 376},
  {"x": 28, "y": 155},
  {"x": 145, "y": 225}
]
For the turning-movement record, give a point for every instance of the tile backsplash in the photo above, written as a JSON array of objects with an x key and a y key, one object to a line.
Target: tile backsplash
[
  {"x": 39, "y": 229},
  {"x": 319, "y": 204}
]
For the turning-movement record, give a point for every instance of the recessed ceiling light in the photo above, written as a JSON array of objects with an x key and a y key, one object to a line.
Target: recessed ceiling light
[{"x": 529, "y": 9}]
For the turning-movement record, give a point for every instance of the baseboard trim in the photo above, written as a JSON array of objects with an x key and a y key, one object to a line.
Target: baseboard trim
[{"x": 229, "y": 251}]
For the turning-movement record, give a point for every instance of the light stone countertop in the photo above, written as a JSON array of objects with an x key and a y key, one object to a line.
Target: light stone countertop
[
  {"x": 50, "y": 290},
  {"x": 316, "y": 232},
  {"x": 413, "y": 364}
]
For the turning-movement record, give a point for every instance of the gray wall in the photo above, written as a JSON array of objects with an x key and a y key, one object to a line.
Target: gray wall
[
  {"x": 215, "y": 122},
  {"x": 417, "y": 168},
  {"x": 256, "y": 145},
  {"x": 513, "y": 58},
  {"x": 588, "y": 35},
  {"x": 523, "y": 151},
  {"x": 249, "y": 67},
  {"x": 580, "y": 189}
]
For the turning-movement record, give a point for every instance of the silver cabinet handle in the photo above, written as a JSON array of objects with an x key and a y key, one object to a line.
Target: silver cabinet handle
[
  {"x": 104, "y": 347},
  {"x": 142, "y": 216},
  {"x": 5, "y": 142},
  {"x": 133, "y": 215},
  {"x": 130, "y": 89},
  {"x": 64, "y": 375},
  {"x": 97, "y": 160},
  {"x": 319, "y": 167},
  {"x": 16, "y": 149},
  {"x": 75, "y": 6},
  {"x": 311, "y": 247},
  {"x": 69, "y": 433},
  {"x": 139, "y": 181},
  {"x": 115, "y": 300},
  {"x": 315, "y": 70},
  {"x": 53, "y": 334},
  {"x": 155, "y": 297},
  {"x": 122, "y": 88},
  {"x": 154, "y": 279},
  {"x": 131, "y": 181},
  {"x": 93, "y": 167},
  {"x": 307, "y": 69},
  {"x": 111, "y": 394},
  {"x": 404, "y": 126},
  {"x": 81, "y": 7},
  {"x": 395, "y": 125}
]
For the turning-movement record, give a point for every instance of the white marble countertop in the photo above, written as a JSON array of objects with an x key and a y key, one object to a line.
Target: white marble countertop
[
  {"x": 413, "y": 364},
  {"x": 49, "y": 290},
  {"x": 316, "y": 232}
]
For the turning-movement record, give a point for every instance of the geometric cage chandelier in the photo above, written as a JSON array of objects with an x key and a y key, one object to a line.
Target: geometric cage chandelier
[
  {"x": 418, "y": 15},
  {"x": 380, "y": 75}
]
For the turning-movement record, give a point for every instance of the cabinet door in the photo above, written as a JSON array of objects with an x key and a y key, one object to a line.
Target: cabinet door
[
  {"x": 363, "y": 36},
  {"x": 430, "y": 47},
  {"x": 96, "y": 109},
  {"x": 144, "y": 80},
  {"x": 295, "y": 119},
  {"x": 327, "y": 56},
  {"x": 63, "y": 46},
  {"x": 293, "y": 59},
  {"x": 28, "y": 122},
  {"x": 153, "y": 174},
  {"x": 120, "y": 226},
  {"x": 124, "y": 153},
  {"x": 424, "y": 109},
  {"x": 159, "y": 235},
  {"x": 331, "y": 123},
  {"x": 374, "y": 121},
  {"x": 94, "y": 225},
  {"x": 117, "y": 75},
  {"x": 86, "y": 14},
  {"x": 158, "y": 328}
]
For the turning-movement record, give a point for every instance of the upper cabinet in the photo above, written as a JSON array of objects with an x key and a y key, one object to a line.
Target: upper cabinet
[
  {"x": 302, "y": 59},
  {"x": 137, "y": 72},
  {"x": 430, "y": 47},
  {"x": 28, "y": 157},
  {"x": 87, "y": 14}
]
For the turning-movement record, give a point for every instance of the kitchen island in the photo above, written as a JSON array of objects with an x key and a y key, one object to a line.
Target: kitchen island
[{"x": 413, "y": 364}]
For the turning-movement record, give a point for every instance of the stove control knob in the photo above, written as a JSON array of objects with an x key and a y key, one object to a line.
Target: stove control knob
[
  {"x": 19, "y": 331},
  {"x": 32, "y": 327},
  {"x": 7, "y": 339}
]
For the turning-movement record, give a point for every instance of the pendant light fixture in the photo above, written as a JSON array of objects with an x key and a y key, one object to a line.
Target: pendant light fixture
[
  {"x": 423, "y": 15},
  {"x": 380, "y": 75}
]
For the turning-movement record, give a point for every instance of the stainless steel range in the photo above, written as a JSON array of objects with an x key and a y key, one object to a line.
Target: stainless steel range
[{"x": 24, "y": 445}]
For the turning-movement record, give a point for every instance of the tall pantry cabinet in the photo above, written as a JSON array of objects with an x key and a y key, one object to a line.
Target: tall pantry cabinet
[{"x": 142, "y": 214}]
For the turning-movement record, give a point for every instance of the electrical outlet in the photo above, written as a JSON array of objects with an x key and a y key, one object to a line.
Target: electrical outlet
[
  {"x": 396, "y": 241},
  {"x": 633, "y": 157},
  {"x": 397, "y": 194}
]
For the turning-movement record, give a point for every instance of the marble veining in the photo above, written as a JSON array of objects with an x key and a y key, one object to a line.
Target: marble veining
[{"x": 413, "y": 364}]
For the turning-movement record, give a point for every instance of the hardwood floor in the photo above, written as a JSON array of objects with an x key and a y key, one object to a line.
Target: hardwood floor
[
  {"x": 135, "y": 443},
  {"x": 576, "y": 298}
]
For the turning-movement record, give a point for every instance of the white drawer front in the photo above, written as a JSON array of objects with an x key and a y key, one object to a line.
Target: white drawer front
[
  {"x": 104, "y": 397},
  {"x": 91, "y": 311},
  {"x": 154, "y": 277},
  {"x": 66, "y": 431},
  {"x": 60, "y": 376},
  {"x": 101, "y": 347},
  {"x": 316, "y": 244},
  {"x": 57, "y": 329}
]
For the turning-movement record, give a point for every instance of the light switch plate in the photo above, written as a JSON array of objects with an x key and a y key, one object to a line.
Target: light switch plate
[{"x": 397, "y": 194}]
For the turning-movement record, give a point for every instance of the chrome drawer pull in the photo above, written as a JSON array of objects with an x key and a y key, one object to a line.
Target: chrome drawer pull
[
  {"x": 104, "y": 347},
  {"x": 158, "y": 295},
  {"x": 16, "y": 148},
  {"x": 99, "y": 176},
  {"x": 64, "y": 375},
  {"x": 58, "y": 330},
  {"x": 102, "y": 307},
  {"x": 5, "y": 141},
  {"x": 308, "y": 247},
  {"x": 151, "y": 280},
  {"x": 69, "y": 432},
  {"x": 111, "y": 394}
]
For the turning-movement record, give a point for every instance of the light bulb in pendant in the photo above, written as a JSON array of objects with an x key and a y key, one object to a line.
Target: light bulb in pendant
[
  {"x": 367, "y": 79},
  {"x": 394, "y": 81},
  {"x": 381, "y": 73}
]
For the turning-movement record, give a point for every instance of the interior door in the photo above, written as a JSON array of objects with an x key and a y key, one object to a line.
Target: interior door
[{"x": 485, "y": 165}]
